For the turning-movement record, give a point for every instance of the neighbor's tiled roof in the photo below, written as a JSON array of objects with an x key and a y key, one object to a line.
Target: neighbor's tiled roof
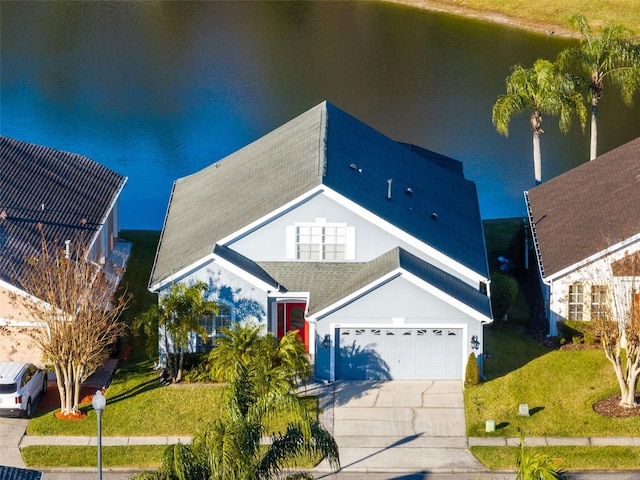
[
  {"x": 69, "y": 195},
  {"x": 587, "y": 209},
  {"x": 13, "y": 473},
  {"x": 323, "y": 146},
  {"x": 330, "y": 282}
]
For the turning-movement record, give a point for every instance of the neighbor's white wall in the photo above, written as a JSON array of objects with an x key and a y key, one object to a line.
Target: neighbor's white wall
[{"x": 593, "y": 273}]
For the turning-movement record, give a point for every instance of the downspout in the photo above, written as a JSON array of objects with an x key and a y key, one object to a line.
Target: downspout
[{"x": 536, "y": 247}]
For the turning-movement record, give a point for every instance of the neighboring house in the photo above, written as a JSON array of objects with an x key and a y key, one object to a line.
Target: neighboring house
[
  {"x": 62, "y": 196},
  {"x": 584, "y": 221},
  {"x": 372, "y": 250}
]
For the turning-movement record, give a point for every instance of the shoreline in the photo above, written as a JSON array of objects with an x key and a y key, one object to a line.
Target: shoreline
[{"x": 445, "y": 6}]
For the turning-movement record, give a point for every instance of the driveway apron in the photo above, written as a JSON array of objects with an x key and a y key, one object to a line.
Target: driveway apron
[{"x": 403, "y": 426}]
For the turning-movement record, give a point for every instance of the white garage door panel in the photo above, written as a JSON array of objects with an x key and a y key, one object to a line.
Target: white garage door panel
[{"x": 399, "y": 353}]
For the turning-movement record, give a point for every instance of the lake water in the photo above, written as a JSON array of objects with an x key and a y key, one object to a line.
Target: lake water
[{"x": 159, "y": 90}]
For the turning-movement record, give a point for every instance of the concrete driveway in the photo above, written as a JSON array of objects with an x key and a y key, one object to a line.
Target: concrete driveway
[
  {"x": 11, "y": 433},
  {"x": 399, "y": 426}
]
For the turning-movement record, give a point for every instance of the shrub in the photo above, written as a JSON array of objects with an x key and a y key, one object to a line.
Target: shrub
[
  {"x": 472, "y": 373},
  {"x": 504, "y": 289},
  {"x": 577, "y": 331}
]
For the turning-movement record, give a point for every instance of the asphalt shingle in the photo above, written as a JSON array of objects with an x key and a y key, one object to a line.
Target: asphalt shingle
[{"x": 587, "y": 209}]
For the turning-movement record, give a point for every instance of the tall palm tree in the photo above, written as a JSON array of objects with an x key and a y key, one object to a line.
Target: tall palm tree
[
  {"x": 612, "y": 56},
  {"x": 541, "y": 89}
]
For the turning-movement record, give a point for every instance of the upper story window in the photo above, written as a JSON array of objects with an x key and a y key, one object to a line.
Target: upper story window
[
  {"x": 576, "y": 302},
  {"x": 321, "y": 241}
]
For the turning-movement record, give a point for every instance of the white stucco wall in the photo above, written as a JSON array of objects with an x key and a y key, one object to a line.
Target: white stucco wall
[
  {"x": 592, "y": 273},
  {"x": 268, "y": 243},
  {"x": 398, "y": 303}
]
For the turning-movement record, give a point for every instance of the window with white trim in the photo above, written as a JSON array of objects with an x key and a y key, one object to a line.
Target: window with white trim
[
  {"x": 321, "y": 241},
  {"x": 212, "y": 324},
  {"x": 576, "y": 302},
  {"x": 598, "y": 301}
]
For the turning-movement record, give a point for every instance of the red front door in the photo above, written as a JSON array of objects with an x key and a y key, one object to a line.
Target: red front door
[{"x": 291, "y": 317}]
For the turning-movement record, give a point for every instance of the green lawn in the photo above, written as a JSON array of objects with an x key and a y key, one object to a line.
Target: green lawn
[
  {"x": 548, "y": 15},
  {"x": 560, "y": 388}
]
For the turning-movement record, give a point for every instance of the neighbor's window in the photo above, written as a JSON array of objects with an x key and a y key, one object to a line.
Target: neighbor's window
[
  {"x": 598, "y": 301},
  {"x": 576, "y": 302},
  {"x": 212, "y": 324}
]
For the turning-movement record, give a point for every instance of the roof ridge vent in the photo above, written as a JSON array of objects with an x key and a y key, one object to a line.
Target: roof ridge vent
[{"x": 389, "y": 182}]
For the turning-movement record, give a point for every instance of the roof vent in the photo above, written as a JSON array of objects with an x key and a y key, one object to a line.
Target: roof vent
[
  {"x": 409, "y": 191},
  {"x": 434, "y": 216},
  {"x": 353, "y": 166}
]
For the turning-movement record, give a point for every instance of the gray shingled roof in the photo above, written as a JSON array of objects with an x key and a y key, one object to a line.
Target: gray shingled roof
[
  {"x": 69, "y": 195},
  {"x": 331, "y": 282},
  {"x": 323, "y": 146},
  {"x": 587, "y": 209}
]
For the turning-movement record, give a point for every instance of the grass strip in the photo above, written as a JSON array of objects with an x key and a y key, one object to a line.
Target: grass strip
[
  {"x": 130, "y": 456},
  {"x": 136, "y": 456},
  {"x": 569, "y": 458}
]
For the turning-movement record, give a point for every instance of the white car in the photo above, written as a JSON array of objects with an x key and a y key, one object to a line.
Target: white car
[{"x": 20, "y": 385}]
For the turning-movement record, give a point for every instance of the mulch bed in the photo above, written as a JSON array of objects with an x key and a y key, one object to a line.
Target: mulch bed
[
  {"x": 610, "y": 407},
  {"x": 51, "y": 401}
]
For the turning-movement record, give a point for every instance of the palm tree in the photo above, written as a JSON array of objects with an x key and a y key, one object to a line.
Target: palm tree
[
  {"x": 536, "y": 466},
  {"x": 613, "y": 56},
  {"x": 542, "y": 89},
  {"x": 230, "y": 447},
  {"x": 270, "y": 361},
  {"x": 178, "y": 314}
]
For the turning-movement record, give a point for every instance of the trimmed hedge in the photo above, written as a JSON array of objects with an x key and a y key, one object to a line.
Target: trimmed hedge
[{"x": 577, "y": 331}]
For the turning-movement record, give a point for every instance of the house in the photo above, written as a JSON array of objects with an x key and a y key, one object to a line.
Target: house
[
  {"x": 62, "y": 196},
  {"x": 584, "y": 221},
  {"x": 373, "y": 250}
]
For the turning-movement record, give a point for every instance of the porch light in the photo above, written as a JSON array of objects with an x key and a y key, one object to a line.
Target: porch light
[
  {"x": 326, "y": 341},
  {"x": 475, "y": 343}
]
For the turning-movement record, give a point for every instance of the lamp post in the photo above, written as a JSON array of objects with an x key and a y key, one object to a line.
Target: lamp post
[{"x": 99, "y": 402}]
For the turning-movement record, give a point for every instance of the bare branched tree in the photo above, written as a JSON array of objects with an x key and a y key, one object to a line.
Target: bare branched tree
[
  {"x": 75, "y": 310},
  {"x": 618, "y": 323}
]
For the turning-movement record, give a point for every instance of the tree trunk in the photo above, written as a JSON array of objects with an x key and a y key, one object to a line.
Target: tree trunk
[
  {"x": 60, "y": 384},
  {"x": 537, "y": 158},
  {"x": 628, "y": 394},
  {"x": 180, "y": 367},
  {"x": 67, "y": 406},
  {"x": 77, "y": 374},
  {"x": 593, "y": 152}
]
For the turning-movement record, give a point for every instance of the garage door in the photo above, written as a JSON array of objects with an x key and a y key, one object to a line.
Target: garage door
[{"x": 399, "y": 353}]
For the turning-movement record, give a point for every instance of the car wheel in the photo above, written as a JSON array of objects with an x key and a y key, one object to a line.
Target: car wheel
[{"x": 29, "y": 410}]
